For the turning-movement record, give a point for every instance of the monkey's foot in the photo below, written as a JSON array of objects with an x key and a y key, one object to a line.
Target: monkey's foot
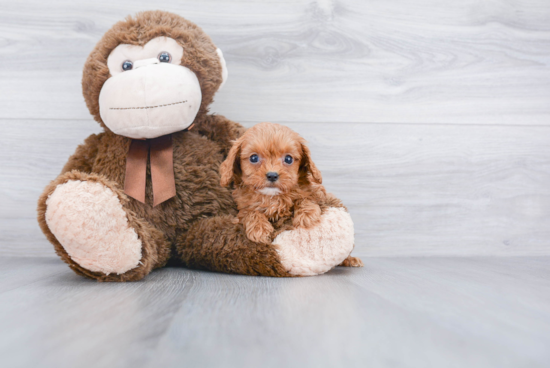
[
  {"x": 89, "y": 221},
  {"x": 352, "y": 262},
  {"x": 307, "y": 252}
]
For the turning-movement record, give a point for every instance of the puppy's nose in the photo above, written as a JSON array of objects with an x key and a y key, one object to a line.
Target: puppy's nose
[{"x": 272, "y": 176}]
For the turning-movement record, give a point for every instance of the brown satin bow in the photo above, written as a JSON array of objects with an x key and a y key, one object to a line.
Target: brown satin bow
[{"x": 160, "y": 152}]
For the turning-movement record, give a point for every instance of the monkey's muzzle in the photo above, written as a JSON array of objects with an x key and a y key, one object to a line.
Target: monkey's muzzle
[{"x": 152, "y": 100}]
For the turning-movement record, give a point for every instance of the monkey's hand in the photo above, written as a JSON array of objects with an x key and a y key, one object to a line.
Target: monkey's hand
[{"x": 307, "y": 214}]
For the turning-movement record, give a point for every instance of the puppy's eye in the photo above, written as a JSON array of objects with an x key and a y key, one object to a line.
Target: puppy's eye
[
  {"x": 127, "y": 65},
  {"x": 288, "y": 159},
  {"x": 164, "y": 57},
  {"x": 254, "y": 159}
]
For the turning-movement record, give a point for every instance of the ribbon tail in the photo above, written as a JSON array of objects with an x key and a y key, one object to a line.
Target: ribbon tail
[
  {"x": 162, "y": 169},
  {"x": 136, "y": 170}
]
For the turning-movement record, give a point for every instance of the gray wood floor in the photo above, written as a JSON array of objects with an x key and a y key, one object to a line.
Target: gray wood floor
[
  {"x": 395, "y": 312},
  {"x": 430, "y": 119}
]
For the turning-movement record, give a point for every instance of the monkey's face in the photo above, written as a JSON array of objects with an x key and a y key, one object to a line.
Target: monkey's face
[{"x": 149, "y": 93}]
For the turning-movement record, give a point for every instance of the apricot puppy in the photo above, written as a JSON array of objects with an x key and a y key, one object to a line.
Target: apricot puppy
[{"x": 275, "y": 179}]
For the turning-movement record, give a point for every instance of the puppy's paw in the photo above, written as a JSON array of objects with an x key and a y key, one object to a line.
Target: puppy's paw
[
  {"x": 260, "y": 232},
  {"x": 307, "y": 217},
  {"x": 352, "y": 262},
  {"x": 305, "y": 221}
]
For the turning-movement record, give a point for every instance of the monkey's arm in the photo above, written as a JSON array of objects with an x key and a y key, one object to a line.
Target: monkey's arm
[
  {"x": 84, "y": 156},
  {"x": 220, "y": 129},
  {"x": 218, "y": 244}
]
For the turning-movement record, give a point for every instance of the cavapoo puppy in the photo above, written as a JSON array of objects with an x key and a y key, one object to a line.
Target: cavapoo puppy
[{"x": 275, "y": 179}]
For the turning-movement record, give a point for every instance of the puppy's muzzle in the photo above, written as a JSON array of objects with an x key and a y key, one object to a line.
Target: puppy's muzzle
[{"x": 272, "y": 176}]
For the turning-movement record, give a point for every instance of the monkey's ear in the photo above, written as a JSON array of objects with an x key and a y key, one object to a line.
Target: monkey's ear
[
  {"x": 308, "y": 167},
  {"x": 224, "y": 68},
  {"x": 230, "y": 169}
]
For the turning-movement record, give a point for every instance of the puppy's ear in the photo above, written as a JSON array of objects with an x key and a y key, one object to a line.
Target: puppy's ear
[
  {"x": 308, "y": 167},
  {"x": 230, "y": 169}
]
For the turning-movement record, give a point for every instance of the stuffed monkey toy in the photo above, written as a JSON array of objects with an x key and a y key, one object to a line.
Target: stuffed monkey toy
[{"x": 147, "y": 190}]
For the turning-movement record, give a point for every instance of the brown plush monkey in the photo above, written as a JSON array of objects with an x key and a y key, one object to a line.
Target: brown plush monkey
[{"x": 147, "y": 190}]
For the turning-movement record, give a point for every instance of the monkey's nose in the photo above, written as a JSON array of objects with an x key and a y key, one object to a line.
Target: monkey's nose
[{"x": 272, "y": 176}]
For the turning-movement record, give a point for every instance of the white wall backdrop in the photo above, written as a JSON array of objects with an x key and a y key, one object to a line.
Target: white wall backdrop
[{"x": 429, "y": 118}]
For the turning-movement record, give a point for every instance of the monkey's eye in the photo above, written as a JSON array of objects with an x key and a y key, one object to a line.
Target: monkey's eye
[
  {"x": 288, "y": 159},
  {"x": 164, "y": 57},
  {"x": 254, "y": 159},
  {"x": 127, "y": 65}
]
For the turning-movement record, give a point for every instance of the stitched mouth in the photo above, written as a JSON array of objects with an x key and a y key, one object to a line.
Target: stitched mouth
[{"x": 147, "y": 107}]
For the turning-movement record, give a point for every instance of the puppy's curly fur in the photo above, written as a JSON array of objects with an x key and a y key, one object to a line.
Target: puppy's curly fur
[{"x": 296, "y": 192}]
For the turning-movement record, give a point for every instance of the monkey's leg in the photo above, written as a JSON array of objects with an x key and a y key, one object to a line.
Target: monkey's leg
[
  {"x": 352, "y": 262},
  {"x": 84, "y": 217},
  {"x": 218, "y": 244}
]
